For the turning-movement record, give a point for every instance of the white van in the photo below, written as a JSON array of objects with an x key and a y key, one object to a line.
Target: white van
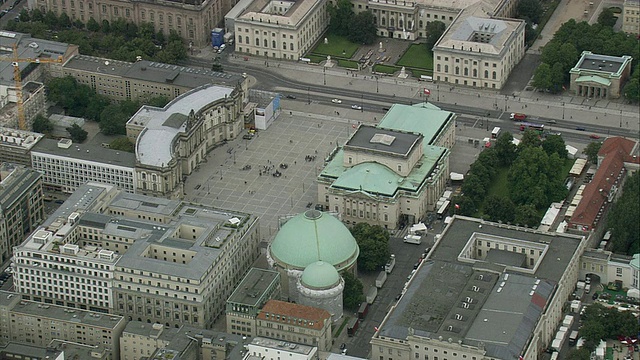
[
  {"x": 221, "y": 48},
  {"x": 413, "y": 239}
]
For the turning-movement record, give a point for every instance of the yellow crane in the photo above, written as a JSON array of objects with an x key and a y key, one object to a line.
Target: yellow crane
[{"x": 15, "y": 62}]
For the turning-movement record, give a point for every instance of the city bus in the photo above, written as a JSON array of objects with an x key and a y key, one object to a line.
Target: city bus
[
  {"x": 495, "y": 133},
  {"x": 444, "y": 209},
  {"x": 535, "y": 127}
]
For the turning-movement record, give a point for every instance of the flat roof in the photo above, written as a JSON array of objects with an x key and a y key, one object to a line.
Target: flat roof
[
  {"x": 511, "y": 301},
  {"x": 13, "y": 186},
  {"x": 61, "y": 313},
  {"x": 87, "y": 153},
  {"x": 254, "y": 13},
  {"x": 154, "y": 146},
  {"x": 253, "y": 286},
  {"x": 379, "y": 139},
  {"x": 423, "y": 118},
  {"x": 603, "y": 63},
  {"x": 19, "y": 138},
  {"x": 281, "y": 346}
]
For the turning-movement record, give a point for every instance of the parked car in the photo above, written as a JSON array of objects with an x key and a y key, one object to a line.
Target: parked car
[
  {"x": 289, "y": 96},
  {"x": 594, "y": 136},
  {"x": 551, "y": 121},
  {"x": 247, "y": 136},
  {"x": 356, "y": 107},
  {"x": 580, "y": 128},
  {"x": 336, "y": 101}
]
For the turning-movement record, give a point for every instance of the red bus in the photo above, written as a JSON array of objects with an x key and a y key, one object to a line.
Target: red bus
[{"x": 529, "y": 126}]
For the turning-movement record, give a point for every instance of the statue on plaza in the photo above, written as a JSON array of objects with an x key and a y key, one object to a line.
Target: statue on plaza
[{"x": 326, "y": 41}]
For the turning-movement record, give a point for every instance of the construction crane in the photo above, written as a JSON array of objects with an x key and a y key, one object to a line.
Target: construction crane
[{"x": 17, "y": 78}]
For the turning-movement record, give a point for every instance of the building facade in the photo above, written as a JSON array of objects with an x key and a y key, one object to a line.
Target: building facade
[
  {"x": 39, "y": 324},
  {"x": 278, "y": 29},
  {"x": 270, "y": 349},
  {"x": 66, "y": 166},
  {"x": 153, "y": 260},
  {"x": 16, "y": 145},
  {"x": 244, "y": 304},
  {"x": 171, "y": 142},
  {"x": 296, "y": 324},
  {"x": 477, "y": 50},
  {"x": 192, "y": 20},
  {"x": 610, "y": 267},
  {"x": 392, "y": 173},
  {"x": 21, "y": 206},
  {"x": 631, "y": 17},
  {"x": 600, "y": 76}
]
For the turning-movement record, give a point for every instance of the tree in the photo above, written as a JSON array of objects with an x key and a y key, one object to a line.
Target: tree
[
  {"x": 95, "y": 106},
  {"x": 105, "y": 27},
  {"x": 51, "y": 20},
  {"x": 217, "y": 66},
  {"x": 341, "y": 15},
  {"x": 353, "y": 293},
  {"x": 122, "y": 144},
  {"x": 531, "y": 9},
  {"x": 434, "y": 31},
  {"x": 466, "y": 205},
  {"x": 42, "y": 125},
  {"x": 607, "y": 18},
  {"x": 622, "y": 219},
  {"x": 473, "y": 187},
  {"x": 592, "y": 151},
  {"x": 64, "y": 22},
  {"x": 77, "y": 133},
  {"x": 499, "y": 208},
  {"x": 157, "y": 101},
  {"x": 632, "y": 90},
  {"x": 555, "y": 144},
  {"x": 542, "y": 77},
  {"x": 92, "y": 25},
  {"x": 362, "y": 29},
  {"x": 578, "y": 354},
  {"x": 505, "y": 149},
  {"x": 530, "y": 138},
  {"x": 557, "y": 77},
  {"x": 24, "y": 15},
  {"x": 113, "y": 120},
  {"x": 373, "y": 241},
  {"x": 526, "y": 215}
]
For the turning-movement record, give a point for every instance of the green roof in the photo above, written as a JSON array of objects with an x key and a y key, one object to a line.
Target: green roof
[
  {"x": 320, "y": 275},
  {"x": 593, "y": 78},
  {"x": 313, "y": 236},
  {"x": 424, "y": 118}
]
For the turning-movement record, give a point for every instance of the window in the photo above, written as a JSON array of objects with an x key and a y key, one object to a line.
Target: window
[{"x": 493, "y": 76}]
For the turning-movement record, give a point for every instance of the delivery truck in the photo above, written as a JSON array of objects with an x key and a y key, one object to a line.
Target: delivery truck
[{"x": 381, "y": 279}]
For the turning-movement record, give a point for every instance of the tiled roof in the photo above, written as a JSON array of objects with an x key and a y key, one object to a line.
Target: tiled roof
[
  {"x": 289, "y": 313},
  {"x": 622, "y": 146}
]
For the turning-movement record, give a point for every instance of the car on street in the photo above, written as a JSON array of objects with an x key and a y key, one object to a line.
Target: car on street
[
  {"x": 551, "y": 121},
  {"x": 247, "y": 136},
  {"x": 580, "y": 128},
  {"x": 356, "y": 107},
  {"x": 595, "y": 296},
  {"x": 594, "y": 136},
  {"x": 336, "y": 101},
  {"x": 289, "y": 96},
  {"x": 343, "y": 346}
]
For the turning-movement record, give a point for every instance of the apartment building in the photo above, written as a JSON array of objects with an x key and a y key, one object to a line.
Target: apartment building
[
  {"x": 478, "y": 50},
  {"x": 278, "y": 29},
  {"x": 495, "y": 291},
  {"x": 270, "y": 349},
  {"x": 244, "y": 304},
  {"x": 39, "y": 324},
  {"x": 65, "y": 165},
  {"x": 123, "y": 80},
  {"x": 392, "y": 173},
  {"x": 192, "y": 20},
  {"x": 21, "y": 206},
  {"x": 631, "y": 17},
  {"x": 145, "y": 258},
  {"x": 295, "y": 323},
  {"x": 171, "y": 142},
  {"x": 16, "y": 145}
]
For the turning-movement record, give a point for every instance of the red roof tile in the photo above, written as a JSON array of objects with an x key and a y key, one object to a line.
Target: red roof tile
[
  {"x": 290, "y": 311},
  {"x": 619, "y": 145}
]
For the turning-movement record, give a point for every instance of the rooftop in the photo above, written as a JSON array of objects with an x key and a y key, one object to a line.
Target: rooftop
[
  {"x": 292, "y": 18},
  {"x": 285, "y": 312},
  {"x": 377, "y": 139},
  {"x": 154, "y": 146},
  {"x": 86, "y": 152},
  {"x": 282, "y": 346},
  {"x": 253, "y": 287},
  {"x": 602, "y": 64},
  {"x": 469, "y": 301},
  {"x": 19, "y": 138},
  {"x": 15, "y": 183},
  {"x": 423, "y": 118},
  {"x": 47, "y": 312}
]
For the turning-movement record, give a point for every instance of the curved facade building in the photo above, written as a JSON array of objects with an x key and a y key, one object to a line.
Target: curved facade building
[{"x": 321, "y": 286}]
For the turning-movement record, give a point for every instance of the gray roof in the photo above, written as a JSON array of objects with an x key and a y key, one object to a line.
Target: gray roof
[
  {"x": 253, "y": 286},
  {"x": 154, "y": 146},
  {"x": 504, "y": 257},
  {"x": 88, "y": 153},
  {"x": 610, "y": 64},
  {"x": 61, "y": 313},
  {"x": 144, "y": 70},
  {"x": 12, "y": 187},
  {"x": 393, "y": 142},
  {"x": 30, "y": 350},
  {"x": 511, "y": 304},
  {"x": 84, "y": 198}
]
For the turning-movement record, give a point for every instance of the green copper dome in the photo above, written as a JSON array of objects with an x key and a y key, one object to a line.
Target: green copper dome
[
  {"x": 314, "y": 236},
  {"x": 320, "y": 275}
]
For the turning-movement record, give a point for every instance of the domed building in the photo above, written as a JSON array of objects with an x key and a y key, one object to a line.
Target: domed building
[
  {"x": 306, "y": 239},
  {"x": 321, "y": 286}
]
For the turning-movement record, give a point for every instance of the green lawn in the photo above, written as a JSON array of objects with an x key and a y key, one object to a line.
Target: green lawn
[
  {"x": 417, "y": 73},
  {"x": 417, "y": 56},
  {"x": 337, "y": 47},
  {"x": 349, "y": 64},
  {"x": 316, "y": 59},
  {"x": 385, "y": 69}
]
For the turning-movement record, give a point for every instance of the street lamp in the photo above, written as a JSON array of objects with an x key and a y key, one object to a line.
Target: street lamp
[
  {"x": 506, "y": 98},
  {"x": 563, "y": 110},
  {"x": 376, "y": 83},
  {"x": 309, "y": 95},
  {"x": 620, "y": 118},
  {"x": 438, "y": 92},
  {"x": 324, "y": 75}
]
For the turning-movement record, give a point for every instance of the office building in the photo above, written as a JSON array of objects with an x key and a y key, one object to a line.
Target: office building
[
  {"x": 495, "y": 292},
  {"x": 244, "y": 304},
  {"x": 16, "y": 145},
  {"x": 631, "y": 17},
  {"x": 148, "y": 259},
  {"x": 600, "y": 76},
  {"x": 21, "y": 206},
  {"x": 392, "y": 173},
  {"x": 39, "y": 324},
  {"x": 478, "y": 50},
  {"x": 270, "y": 349},
  {"x": 295, "y": 323},
  {"x": 192, "y": 20},
  {"x": 282, "y": 30}
]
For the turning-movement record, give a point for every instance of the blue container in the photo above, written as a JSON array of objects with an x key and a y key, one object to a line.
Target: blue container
[{"x": 217, "y": 37}]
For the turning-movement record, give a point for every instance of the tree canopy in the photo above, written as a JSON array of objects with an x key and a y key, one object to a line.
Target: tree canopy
[
  {"x": 631, "y": 90},
  {"x": 353, "y": 293},
  {"x": 42, "y": 125},
  {"x": 607, "y": 17},
  {"x": 77, "y": 133},
  {"x": 592, "y": 150},
  {"x": 600, "y": 322},
  {"x": 530, "y": 9},
  {"x": 358, "y": 28},
  {"x": 373, "y": 241},
  {"x": 434, "y": 31},
  {"x": 623, "y": 218}
]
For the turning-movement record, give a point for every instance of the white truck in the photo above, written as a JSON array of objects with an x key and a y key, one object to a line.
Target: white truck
[
  {"x": 381, "y": 279},
  {"x": 418, "y": 229},
  {"x": 371, "y": 294},
  {"x": 413, "y": 239},
  {"x": 388, "y": 268}
]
